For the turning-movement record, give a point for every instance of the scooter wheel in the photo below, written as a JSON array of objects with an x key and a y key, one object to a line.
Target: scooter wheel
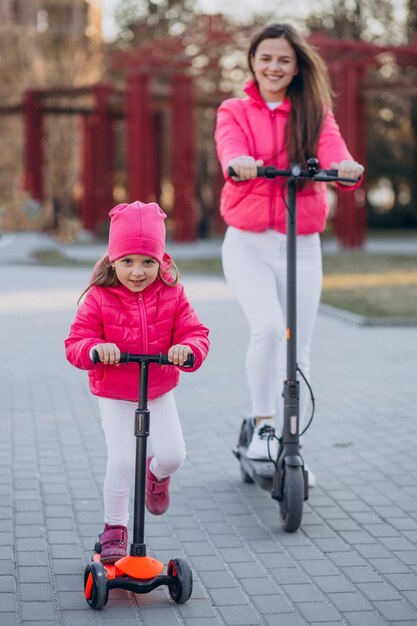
[
  {"x": 293, "y": 498},
  {"x": 181, "y": 585},
  {"x": 245, "y": 476},
  {"x": 95, "y": 585},
  {"x": 246, "y": 432},
  {"x": 245, "y": 438}
]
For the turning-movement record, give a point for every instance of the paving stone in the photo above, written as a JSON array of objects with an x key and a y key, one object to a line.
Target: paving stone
[
  {"x": 396, "y": 610},
  {"x": 354, "y": 560},
  {"x": 349, "y": 602},
  {"x": 267, "y": 604},
  {"x": 320, "y": 612},
  {"x": 239, "y": 615},
  {"x": 224, "y": 597},
  {"x": 7, "y": 601}
]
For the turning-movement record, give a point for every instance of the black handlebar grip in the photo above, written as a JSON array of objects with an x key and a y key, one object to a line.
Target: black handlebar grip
[
  {"x": 124, "y": 357},
  {"x": 260, "y": 171},
  {"x": 95, "y": 356},
  {"x": 189, "y": 362}
]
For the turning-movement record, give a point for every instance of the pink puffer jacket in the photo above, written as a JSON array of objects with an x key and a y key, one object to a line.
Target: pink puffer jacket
[
  {"x": 147, "y": 322},
  {"x": 247, "y": 126}
]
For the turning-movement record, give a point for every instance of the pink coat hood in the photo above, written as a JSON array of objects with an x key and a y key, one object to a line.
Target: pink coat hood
[
  {"x": 147, "y": 322},
  {"x": 248, "y": 126}
]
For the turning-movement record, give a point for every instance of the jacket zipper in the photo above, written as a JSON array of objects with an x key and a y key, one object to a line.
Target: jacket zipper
[
  {"x": 274, "y": 181},
  {"x": 143, "y": 323}
]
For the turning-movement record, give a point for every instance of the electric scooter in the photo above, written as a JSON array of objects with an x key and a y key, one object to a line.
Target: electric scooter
[
  {"x": 138, "y": 572},
  {"x": 286, "y": 477}
]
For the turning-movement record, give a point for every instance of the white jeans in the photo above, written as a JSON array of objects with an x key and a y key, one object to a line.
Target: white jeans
[
  {"x": 165, "y": 438},
  {"x": 255, "y": 267}
]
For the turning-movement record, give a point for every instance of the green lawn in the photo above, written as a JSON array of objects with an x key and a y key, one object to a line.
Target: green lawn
[{"x": 379, "y": 300}]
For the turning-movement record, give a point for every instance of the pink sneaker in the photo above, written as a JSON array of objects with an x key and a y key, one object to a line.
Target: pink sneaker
[
  {"x": 113, "y": 541},
  {"x": 157, "y": 491}
]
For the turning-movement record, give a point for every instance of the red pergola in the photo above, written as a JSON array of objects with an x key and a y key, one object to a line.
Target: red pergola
[
  {"x": 349, "y": 63},
  {"x": 171, "y": 60}
]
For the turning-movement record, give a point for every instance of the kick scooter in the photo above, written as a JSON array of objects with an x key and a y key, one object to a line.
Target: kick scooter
[
  {"x": 138, "y": 572},
  {"x": 286, "y": 477}
]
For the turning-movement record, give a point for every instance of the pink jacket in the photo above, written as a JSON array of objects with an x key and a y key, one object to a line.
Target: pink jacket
[
  {"x": 147, "y": 322},
  {"x": 248, "y": 126}
]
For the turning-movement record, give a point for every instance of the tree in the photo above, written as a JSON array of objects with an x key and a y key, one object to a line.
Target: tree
[
  {"x": 41, "y": 60},
  {"x": 412, "y": 39},
  {"x": 392, "y": 117},
  {"x": 137, "y": 20},
  {"x": 369, "y": 20}
]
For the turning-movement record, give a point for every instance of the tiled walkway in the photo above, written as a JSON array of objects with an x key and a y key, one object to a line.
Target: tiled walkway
[{"x": 354, "y": 560}]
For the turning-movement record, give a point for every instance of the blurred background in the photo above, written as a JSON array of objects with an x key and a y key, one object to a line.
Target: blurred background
[{"x": 114, "y": 100}]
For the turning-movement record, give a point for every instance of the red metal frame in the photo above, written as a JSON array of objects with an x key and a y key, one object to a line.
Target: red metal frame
[
  {"x": 33, "y": 122},
  {"x": 140, "y": 139},
  {"x": 183, "y": 158},
  {"x": 170, "y": 58}
]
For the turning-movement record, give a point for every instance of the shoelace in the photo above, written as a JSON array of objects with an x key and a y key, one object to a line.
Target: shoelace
[{"x": 266, "y": 432}]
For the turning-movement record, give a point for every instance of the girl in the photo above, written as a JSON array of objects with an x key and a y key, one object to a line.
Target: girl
[
  {"x": 285, "y": 118},
  {"x": 134, "y": 303}
]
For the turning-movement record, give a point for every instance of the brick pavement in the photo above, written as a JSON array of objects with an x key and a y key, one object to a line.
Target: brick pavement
[{"x": 354, "y": 561}]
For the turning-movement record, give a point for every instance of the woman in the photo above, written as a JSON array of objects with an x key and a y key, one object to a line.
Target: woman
[{"x": 286, "y": 117}]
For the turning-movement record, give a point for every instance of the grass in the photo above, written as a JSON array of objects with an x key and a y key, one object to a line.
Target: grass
[{"x": 372, "y": 285}]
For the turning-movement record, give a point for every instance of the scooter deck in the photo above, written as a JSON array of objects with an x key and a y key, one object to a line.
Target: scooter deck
[{"x": 261, "y": 472}]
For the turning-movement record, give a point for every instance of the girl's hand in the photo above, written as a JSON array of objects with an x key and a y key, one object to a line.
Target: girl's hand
[
  {"x": 109, "y": 353},
  {"x": 348, "y": 169},
  {"x": 245, "y": 167},
  {"x": 178, "y": 354}
]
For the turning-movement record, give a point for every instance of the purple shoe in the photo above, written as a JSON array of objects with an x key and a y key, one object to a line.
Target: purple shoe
[
  {"x": 113, "y": 541},
  {"x": 157, "y": 491}
]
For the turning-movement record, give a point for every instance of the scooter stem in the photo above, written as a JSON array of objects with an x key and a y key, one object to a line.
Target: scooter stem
[
  {"x": 138, "y": 547},
  {"x": 291, "y": 385},
  {"x": 291, "y": 281}
]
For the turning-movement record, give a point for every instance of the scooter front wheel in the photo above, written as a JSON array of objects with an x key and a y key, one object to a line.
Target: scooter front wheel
[
  {"x": 291, "y": 505},
  {"x": 245, "y": 437},
  {"x": 95, "y": 585},
  {"x": 181, "y": 586}
]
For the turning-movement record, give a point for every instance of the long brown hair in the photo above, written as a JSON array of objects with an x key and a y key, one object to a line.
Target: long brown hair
[
  {"x": 309, "y": 92},
  {"x": 105, "y": 276}
]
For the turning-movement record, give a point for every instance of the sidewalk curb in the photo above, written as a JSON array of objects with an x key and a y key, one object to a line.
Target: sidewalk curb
[{"x": 362, "y": 320}]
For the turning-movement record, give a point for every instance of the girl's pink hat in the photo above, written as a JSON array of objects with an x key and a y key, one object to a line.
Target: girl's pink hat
[{"x": 137, "y": 228}]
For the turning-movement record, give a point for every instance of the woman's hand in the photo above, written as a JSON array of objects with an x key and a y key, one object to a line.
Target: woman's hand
[
  {"x": 178, "y": 354},
  {"x": 348, "y": 169},
  {"x": 245, "y": 167},
  {"x": 109, "y": 353}
]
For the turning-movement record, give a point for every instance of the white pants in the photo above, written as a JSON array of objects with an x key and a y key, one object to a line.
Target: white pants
[
  {"x": 165, "y": 438},
  {"x": 255, "y": 267}
]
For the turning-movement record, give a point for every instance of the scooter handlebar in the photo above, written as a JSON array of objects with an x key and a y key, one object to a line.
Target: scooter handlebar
[
  {"x": 329, "y": 176},
  {"x": 160, "y": 359}
]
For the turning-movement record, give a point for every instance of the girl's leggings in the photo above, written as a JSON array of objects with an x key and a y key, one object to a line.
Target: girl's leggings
[
  {"x": 255, "y": 267},
  {"x": 165, "y": 438}
]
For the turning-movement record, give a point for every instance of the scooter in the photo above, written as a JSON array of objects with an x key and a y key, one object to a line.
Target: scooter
[
  {"x": 286, "y": 477},
  {"x": 138, "y": 572}
]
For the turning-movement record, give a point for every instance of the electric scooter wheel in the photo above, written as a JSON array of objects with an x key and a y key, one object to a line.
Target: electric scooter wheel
[
  {"x": 95, "y": 585},
  {"x": 181, "y": 586},
  {"x": 293, "y": 498},
  {"x": 245, "y": 438}
]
